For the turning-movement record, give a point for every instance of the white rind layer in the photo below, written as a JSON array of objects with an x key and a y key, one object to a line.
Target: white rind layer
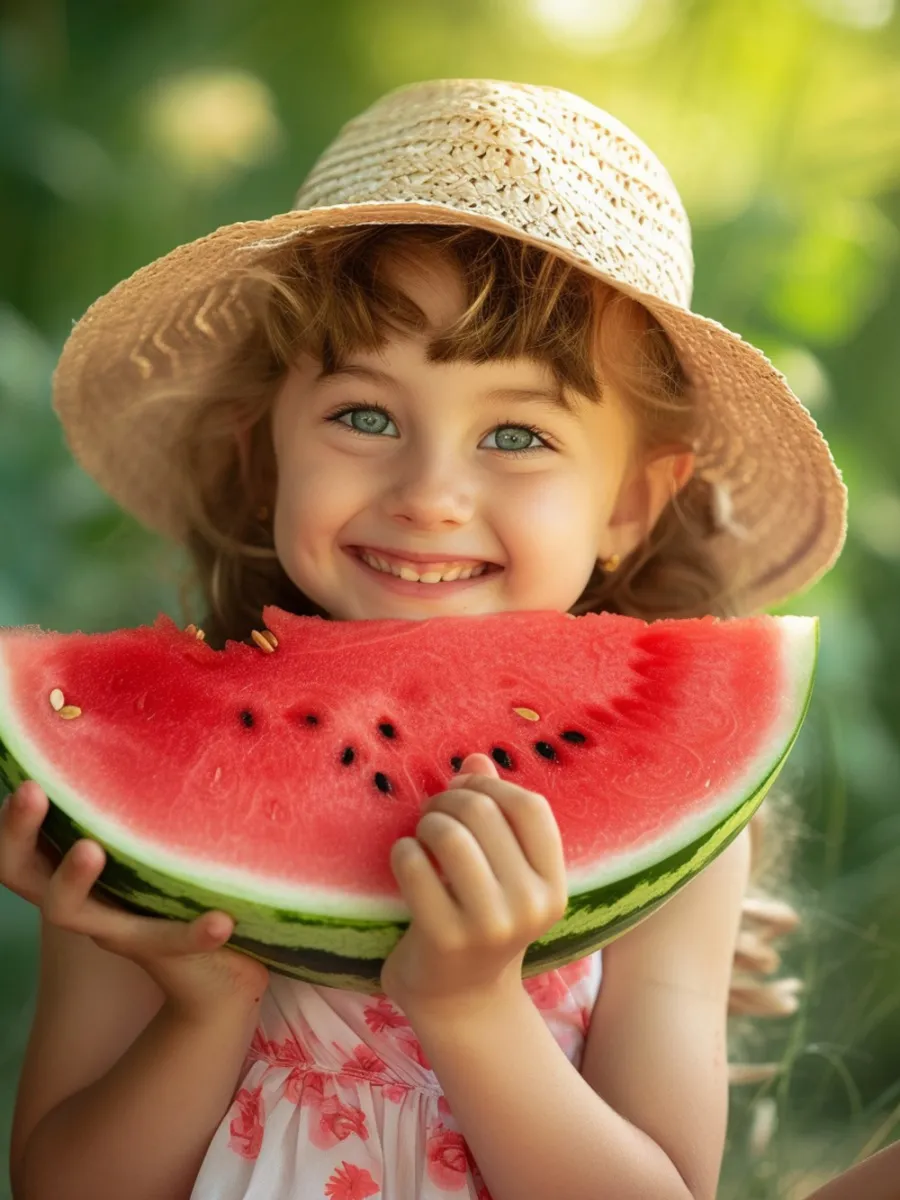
[{"x": 798, "y": 642}]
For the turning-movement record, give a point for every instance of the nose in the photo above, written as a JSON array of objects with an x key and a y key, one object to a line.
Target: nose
[{"x": 430, "y": 492}]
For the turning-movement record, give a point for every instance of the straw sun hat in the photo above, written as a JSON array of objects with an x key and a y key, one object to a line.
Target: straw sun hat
[{"x": 533, "y": 163}]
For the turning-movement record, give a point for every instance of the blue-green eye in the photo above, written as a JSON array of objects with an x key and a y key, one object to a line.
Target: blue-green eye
[
  {"x": 514, "y": 438},
  {"x": 372, "y": 420},
  {"x": 365, "y": 420}
]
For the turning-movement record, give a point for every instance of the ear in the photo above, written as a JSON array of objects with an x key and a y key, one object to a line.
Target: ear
[{"x": 645, "y": 493}]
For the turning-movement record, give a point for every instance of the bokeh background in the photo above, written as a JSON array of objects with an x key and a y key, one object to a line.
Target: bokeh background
[{"x": 126, "y": 128}]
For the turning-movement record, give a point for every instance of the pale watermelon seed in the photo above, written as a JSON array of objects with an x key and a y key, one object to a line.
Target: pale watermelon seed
[
  {"x": 195, "y": 632},
  {"x": 528, "y": 713},
  {"x": 270, "y": 638},
  {"x": 263, "y": 642},
  {"x": 69, "y": 712},
  {"x": 382, "y": 782},
  {"x": 57, "y": 699}
]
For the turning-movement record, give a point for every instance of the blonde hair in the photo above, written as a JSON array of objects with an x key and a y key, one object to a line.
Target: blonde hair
[{"x": 328, "y": 294}]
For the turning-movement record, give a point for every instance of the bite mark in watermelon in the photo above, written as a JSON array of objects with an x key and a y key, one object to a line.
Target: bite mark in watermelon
[{"x": 273, "y": 785}]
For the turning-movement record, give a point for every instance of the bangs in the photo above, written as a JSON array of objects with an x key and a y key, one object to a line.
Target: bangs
[{"x": 520, "y": 301}]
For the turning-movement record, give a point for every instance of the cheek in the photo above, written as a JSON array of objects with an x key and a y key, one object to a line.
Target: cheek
[
  {"x": 311, "y": 505},
  {"x": 567, "y": 510}
]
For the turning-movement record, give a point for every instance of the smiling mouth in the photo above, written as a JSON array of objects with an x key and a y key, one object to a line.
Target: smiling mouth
[{"x": 439, "y": 571}]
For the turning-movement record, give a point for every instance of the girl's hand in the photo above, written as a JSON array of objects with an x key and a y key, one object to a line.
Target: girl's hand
[
  {"x": 185, "y": 959},
  {"x": 500, "y": 851}
]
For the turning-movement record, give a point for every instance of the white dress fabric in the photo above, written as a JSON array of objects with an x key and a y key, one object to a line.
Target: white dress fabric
[{"x": 338, "y": 1102}]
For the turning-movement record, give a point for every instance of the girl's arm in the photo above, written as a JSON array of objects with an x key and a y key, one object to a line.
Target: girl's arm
[
  {"x": 648, "y": 1116},
  {"x": 121, "y": 1092}
]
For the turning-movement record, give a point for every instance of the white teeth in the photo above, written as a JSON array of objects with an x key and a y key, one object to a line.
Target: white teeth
[{"x": 413, "y": 576}]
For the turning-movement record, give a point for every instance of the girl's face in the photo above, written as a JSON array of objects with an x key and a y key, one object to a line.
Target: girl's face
[{"x": 442, "y": 470}]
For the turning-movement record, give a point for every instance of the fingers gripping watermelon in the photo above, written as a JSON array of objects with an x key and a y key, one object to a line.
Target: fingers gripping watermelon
[{"x": 271, "y": 781}]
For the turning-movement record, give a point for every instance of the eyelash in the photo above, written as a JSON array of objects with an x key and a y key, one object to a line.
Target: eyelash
[{"x": 335, "y": 417}]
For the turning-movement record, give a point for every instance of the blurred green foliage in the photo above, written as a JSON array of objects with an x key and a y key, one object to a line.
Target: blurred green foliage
[{"x": 126, "y": 128}]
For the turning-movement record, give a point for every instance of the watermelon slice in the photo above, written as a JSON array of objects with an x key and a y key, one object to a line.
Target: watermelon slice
[{"x": 272, "y": 782}]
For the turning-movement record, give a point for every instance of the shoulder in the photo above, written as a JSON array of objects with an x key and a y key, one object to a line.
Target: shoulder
[{"x": 656, "y": 1048}]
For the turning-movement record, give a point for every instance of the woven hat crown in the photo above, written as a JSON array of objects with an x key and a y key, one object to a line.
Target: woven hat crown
[{"x": 540, "y": 159}]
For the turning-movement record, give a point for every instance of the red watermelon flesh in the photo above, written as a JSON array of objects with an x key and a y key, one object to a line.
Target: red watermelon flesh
[{"x": 286, "y": 777}]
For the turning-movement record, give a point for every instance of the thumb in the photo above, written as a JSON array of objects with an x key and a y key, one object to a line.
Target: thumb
[{"x": 478, "y": 764}]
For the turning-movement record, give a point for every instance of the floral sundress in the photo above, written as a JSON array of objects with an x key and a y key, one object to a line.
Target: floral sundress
[{"x": 338, "y": 1101}]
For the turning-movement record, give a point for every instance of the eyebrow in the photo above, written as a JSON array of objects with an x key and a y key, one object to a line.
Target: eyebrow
[{"x": 552, "y": 396}]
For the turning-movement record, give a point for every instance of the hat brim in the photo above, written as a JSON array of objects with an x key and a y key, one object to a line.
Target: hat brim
[{"x": 787, "y": 503}]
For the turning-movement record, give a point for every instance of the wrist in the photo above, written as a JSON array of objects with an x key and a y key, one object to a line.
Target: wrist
[
  {"x": 483, "y": 1001},
  {"x": 229, "y": 1010}
]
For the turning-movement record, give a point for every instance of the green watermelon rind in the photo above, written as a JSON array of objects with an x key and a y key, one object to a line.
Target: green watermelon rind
[{"x": 342, "y": 950}]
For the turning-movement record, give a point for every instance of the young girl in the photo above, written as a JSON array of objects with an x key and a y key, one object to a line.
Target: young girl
[{"x": 462, "y": 376}]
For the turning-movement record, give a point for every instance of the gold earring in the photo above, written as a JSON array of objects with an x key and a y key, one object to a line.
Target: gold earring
[
  {"x": 262, "y": 512},
  {"x": 610, "y": 564}
]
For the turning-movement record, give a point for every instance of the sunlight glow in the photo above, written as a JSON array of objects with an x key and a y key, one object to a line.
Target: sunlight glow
[
  {"x": 858, "y": 14},
  {"x": 575, "y": 21},
  {"x": 209, "y": 124}
]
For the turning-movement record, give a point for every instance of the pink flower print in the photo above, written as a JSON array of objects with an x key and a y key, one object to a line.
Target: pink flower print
[
  {"x": 258, "y": 1050},
  {"x": 444, "y": 1107},
  {"x": 481, "y": 1192},
  {"x": 288, "y": 1053},
  {"x": 259, "y": 1046},
  {"x": 382, "y": 1015},
  {"x": 350, "y": 1183},
  {"x": 547, "y": 991},
  {"x": 575, "y": 971},
  {"x": 409, "y": 1044},
  {"x": 364, "y": 1061},
  {"x": 247, "y": 1127},
  {"x": 305, "y": 1087},
  {"x": 447, "y": 1159},
  {"x": 336, "y": 1122},
  {"x": 395, "y": 1092}
]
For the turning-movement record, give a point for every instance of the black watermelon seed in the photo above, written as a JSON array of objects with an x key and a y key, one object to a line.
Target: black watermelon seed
[
  {"x": 572, "y": 735},
  {"x": 312, "y": 719},
  {"x": 247, "y": 718},
  {"x": 382, "y": 782},
  {"x": 502, "y": 758},
  {"x": 456, "y": 762},
  {"x": 545, "y": 750},
  {"x": 347, "y": 756},
  {"x": 387, "y": 729}
]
